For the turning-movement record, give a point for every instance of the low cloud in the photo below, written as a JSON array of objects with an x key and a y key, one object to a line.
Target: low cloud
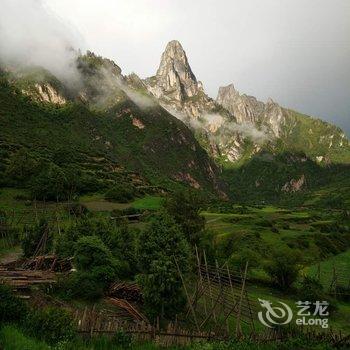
[
  {"x": 250, "y": 131},
  {"x": 141, "y": 100},
  {"x": 109, "y": 82},
  {"x": 221, "y": 129},
  {"x": 31, "y": 35}
]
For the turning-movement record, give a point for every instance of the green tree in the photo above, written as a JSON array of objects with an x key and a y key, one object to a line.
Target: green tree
[
  {"x": 118, "y": 238},
  {"x": 91, "y": 252},
  {"x": 55, "y": 183},
  {"x": 159, "y": 244},
  {"x": 244, "y": 256},
  {"x": 311, "y": 289},
  {"x": 52, "y": 325},
  {"x": 284, "y": 267},
  {"x": 22, "y": 167},
  {"x": 185, "y": 207},
  {"x": 97, "y": 268}
]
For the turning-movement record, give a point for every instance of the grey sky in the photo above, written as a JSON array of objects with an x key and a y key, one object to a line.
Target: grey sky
[{"x": 295, "y": 51}]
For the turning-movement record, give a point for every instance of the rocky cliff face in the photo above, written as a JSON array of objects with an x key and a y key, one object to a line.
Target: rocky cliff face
[
  {"x": 222, "y": 125},
  {"x": 247, "y": 109},
  {"x": 176, "y": 86},
  {"x": 175, "y": 79},
  {"x": 236, "y": 125},
  {"x": 110, "y": 116}
]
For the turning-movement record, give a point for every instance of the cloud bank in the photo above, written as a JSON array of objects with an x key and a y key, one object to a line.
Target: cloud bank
[
  {"x": 32, "y": 35},
  {"x": 221, "y": 130}
]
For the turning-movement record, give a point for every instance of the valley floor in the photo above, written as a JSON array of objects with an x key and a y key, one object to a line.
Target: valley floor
[{"x": 254, "y": 230}]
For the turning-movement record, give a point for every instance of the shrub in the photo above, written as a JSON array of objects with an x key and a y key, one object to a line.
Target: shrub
[
  {"x": 22, "y": 166},
  {"x": 274, "y": 229},
  {"x": 92, "y": 252},
  {"x": 343, "y": 293},
  {"x": 80, "y": 285},
  {"x": 265, "y": 223},
  {"x": 86, "y": 226},
  {"x": 311, "y": 290},
  {"x": 122, "y": 339},
  {"x": 283, "y": 268},
  {"x": 52, "y": 325},
  {"x": 35, "y": 235},
  {"x": 12, "y": 309},
  {"x": 246, "y": 255},
  {"x": 122, "y": 193}
]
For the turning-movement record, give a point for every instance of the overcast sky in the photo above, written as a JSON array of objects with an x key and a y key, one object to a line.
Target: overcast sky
[{"x": 295, "y": 51}]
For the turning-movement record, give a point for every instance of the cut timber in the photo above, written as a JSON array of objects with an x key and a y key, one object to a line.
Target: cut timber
[
  {"x": 125, "y": 290},
  {"x": 24, "y": 279},
  {"x": 125, "y": 305}
]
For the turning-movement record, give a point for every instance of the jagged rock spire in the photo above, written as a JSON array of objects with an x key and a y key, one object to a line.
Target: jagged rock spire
[
  {"x": 174, "y": 78},
  {"x": 246, "y": 109}
]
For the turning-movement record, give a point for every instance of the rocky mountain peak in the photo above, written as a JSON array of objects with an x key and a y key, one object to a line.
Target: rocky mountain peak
[
  {"x": 246, "y": 109},
  {"x": 174, "y": 79},
  {"x": 226, "y": 94}
]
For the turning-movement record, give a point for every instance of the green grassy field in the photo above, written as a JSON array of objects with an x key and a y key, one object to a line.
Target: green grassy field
[
  {"x": 273, "y": 227},
  {"x": 264, "y": 229},
  {"x": 148, "y": 202},
  {"x": 258, "y": 228},
  {"x": 338, "y": 265}
]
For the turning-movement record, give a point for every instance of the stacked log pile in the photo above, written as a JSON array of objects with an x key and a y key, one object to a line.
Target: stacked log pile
[
  {"x": 128, "y": 308},
  {"x": 48, "y": 262},
  {"x": 24, "y": 279},
  {"x": 126, "y": 291}
]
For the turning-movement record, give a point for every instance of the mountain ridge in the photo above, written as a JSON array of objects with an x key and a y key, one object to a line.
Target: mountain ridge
[
  {"x": 239, "y": 117},
  {"x": 107, "y": 120},
  {"x": 166, "y": 129}
]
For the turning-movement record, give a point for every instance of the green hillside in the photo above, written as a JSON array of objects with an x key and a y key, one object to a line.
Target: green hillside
[
  {"x": 145, "y": 145},
  {"x": 289, "y": 179},
  {"x": 316, "y": 138}
]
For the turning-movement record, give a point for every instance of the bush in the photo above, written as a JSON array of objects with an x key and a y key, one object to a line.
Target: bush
[
  {"x": 52, "y": 325},
  {"x": 122, "y": 339},
  {"x": 12, "y": 309},
  {"x": 265, "y": 223},
  {"x": 91, "y": 252},
  {"x": 33, "y": 236},
  {"x": 246, "y": 255},
  {"x": 311, "y": 290},
  {"x": 22, "y": 166},
  {"x": 274, "y": 229},
  {"x": 11, "y": 338},
  {"x": 122, "y": 193},
  {"x": 343, "y": 293},
  {"x": 285, "y": 226},
  {"x": 84, "y": 227},
  {"x": 80, "y": 285},
  {"x": 283, "y": 268}
]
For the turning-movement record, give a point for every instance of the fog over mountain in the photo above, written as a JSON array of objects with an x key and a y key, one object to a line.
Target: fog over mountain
[{"x": 296, "y": 52}]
